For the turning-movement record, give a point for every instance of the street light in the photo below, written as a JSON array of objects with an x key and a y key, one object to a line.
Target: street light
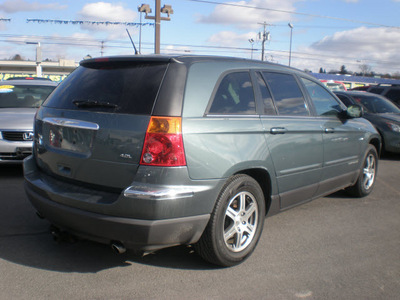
[
  {"x": 252, "y": 44},
  {"x": 144, "y": 8},
  {"x": 166, "y": 9},
  {"x": 291, "y": 35},
  {"x": 38, "y": 57}
]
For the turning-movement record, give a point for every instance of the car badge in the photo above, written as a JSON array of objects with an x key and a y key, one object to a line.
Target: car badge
[{"x": 28, "y": 136}]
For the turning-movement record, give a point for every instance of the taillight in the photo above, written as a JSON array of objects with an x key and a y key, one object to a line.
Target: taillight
[{"x": 163, "y": 144}]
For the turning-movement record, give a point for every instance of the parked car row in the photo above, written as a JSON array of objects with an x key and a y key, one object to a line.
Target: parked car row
[{"x": 392, "y": 92}]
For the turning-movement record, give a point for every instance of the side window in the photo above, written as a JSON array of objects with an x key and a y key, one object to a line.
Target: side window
[
  {"x": 394, "y": 95},
  {"x": 346, "y": 101},
  {"x": 269, "y": 108},
  {"x": 235, "y": 95},
  {"x": 324, "y": 103},
  {"x": 376, "y": 90},
  {"x": 288, "y": 97}
]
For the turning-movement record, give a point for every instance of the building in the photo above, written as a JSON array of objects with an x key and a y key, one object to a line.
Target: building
[
  {"x": 56, "y": 71},
  {"x": 355, "y": 81}
]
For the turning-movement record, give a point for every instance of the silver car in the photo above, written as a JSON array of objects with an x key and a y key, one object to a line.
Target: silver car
[{"x": 19, "y": 101}]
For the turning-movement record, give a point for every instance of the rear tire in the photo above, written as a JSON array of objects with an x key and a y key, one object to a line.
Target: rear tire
[
  {"x": 235, "y": 224},
  {"x": 366, "y": 180}
]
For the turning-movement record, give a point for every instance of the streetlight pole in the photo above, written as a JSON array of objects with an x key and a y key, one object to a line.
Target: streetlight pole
[
  {"x": 290, "y": 49},
  {"x": 252, "y": 44},
  {"x": 38, "y": 57},
  {"x": 167, "y": 9}
]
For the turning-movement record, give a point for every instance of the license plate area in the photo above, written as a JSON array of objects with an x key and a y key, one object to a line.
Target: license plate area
[{"x": 69, "y": 135}]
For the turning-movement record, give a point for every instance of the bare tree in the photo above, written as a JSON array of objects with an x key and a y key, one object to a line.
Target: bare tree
[
  {"x": 365, "y": 69},
  {"x": 17, "y": 57}
]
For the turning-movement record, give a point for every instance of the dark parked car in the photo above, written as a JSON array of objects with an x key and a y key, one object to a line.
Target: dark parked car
[
  {"x": 381, "y": 112},
  {"x": 19, "y": 100},
  {"x": 148, "y": 152},
  {"x": 392, "y": 92}
]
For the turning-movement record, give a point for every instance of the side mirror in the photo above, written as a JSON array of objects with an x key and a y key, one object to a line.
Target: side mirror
[{"x": 355, "y": 111}]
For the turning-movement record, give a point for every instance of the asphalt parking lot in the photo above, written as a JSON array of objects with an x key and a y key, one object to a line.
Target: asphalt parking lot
[{"x": 332, "y": 248}]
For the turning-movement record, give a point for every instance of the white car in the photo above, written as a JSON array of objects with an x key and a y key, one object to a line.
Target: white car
[{"x": 19, "y": 100}]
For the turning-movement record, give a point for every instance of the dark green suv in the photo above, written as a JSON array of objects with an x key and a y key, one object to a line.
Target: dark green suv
[{"x": 148, "y": 152}]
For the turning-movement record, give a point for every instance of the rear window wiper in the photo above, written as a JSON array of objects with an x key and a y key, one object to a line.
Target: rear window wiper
[{"x": 92, "y": 103}]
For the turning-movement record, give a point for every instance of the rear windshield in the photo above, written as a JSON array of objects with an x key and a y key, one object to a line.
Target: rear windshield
[
  {"x": 23, "y": 96},
  {"x": 106, "y": 87}
]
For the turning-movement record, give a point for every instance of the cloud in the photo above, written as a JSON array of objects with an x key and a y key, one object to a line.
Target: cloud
[
  {"x": 249, "y": 17},
  {"x": 103, "y": 11},
  {"x": 377, "y": 47},
  {"x": 13, "y": 6},
  {"x": 229, "y": 38}
]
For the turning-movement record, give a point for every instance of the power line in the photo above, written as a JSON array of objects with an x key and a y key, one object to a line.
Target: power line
[
  {"x": 78, "y": 22},
  {"x": 293, "y": 13},
  {"x": 72, "y": 41}
]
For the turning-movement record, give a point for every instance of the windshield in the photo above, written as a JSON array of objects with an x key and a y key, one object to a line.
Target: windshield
[
  {"x": 376, "y": 105},
  {"x": 23, "y": 96}
]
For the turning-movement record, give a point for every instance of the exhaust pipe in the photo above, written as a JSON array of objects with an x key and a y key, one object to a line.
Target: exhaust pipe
[
  {"x": 118, "y": 247},
  {"x": 62, "y": 236}
]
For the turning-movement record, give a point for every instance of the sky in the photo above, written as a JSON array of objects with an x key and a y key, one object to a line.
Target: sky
[{"x": 326, "y": 34}]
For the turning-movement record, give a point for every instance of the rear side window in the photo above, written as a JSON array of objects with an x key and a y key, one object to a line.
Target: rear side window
[
  {"x": 235, "y": 95},
  {"x": 122, "y": 88},
  {"x": 325, "y": 104},
  {"x": 288, "y": 97}
]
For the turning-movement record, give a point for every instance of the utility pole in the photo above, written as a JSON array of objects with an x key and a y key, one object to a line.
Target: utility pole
[
  {"x": 102, "y": 48},
  {"x": 167, "y": 9},
  {"x": 264, "y": 36}
]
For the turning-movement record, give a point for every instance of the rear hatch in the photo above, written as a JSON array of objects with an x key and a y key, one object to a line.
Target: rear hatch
[{"x": 92, "y": 128}]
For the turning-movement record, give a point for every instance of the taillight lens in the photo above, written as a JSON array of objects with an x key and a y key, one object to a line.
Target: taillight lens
[{"x": 163, "y": 144}]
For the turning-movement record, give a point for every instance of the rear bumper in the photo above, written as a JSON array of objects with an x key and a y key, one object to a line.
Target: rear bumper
[
  {"x": 144, "y": 216},
  {"x": 144, "y": 235}
]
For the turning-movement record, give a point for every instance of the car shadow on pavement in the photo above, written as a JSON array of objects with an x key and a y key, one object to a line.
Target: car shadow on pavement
[
  {"x": 390, "y": 156},
  {"x": 39, "y": 250},
  {"x": 25, "y": 239}
]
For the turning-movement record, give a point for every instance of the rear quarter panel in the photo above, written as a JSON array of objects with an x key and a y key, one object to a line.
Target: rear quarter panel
[{"x": 219, "y": 146}]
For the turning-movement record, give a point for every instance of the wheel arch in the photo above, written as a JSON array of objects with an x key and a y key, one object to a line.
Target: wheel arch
[
  {"x": 377, "y": 143},
  {"x": 263, "y": 178}
]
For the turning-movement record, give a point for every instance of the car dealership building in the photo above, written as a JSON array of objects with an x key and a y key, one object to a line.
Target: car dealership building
[{"x": 55, "y": 70}]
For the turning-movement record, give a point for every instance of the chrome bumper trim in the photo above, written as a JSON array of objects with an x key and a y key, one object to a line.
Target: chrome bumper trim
[{"x": 151, "y": 192}]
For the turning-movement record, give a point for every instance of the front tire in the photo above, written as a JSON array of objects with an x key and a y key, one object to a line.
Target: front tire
[
  {"x": 366, "y": 180},
  {"x": 235, "y": 224}
]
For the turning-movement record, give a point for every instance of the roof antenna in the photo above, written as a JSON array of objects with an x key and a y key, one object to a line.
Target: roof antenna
[{"x": 133, "y": 44}]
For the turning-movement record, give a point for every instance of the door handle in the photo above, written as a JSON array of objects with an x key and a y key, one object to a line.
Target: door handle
[
  {"x": 278, "y": 130},
  {"x": 329, "y": 130}
]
